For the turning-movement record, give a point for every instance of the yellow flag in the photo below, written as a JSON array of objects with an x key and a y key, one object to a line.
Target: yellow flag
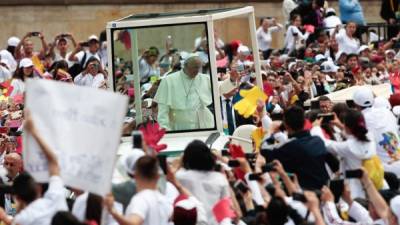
[{"x": 248, "y": 104}]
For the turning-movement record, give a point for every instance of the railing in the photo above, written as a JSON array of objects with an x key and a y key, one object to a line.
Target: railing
[{"x": 381, "y": 30}]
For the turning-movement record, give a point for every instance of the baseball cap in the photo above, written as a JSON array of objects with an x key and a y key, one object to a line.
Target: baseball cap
[
  {"x": 395, "y": 206},
  {"x": 243, "y": 49},
  {"x": 25, "y": 62},
  {"x": 129, "y": 160},
  {"x": 291, "y": 65},
  {"x": 390, "y": 51},
  {"x": 330, "y": 10},
  {"x": 93, "y": 37},
  {"x": 319, "y": 57},
  {"x": 362, "y": 48},
  {"x": 329, "y": 67},
  {"x": 13, "y": 41},
  {"x": 339, "y": 54},
  {"x": 363, "y": 97}
]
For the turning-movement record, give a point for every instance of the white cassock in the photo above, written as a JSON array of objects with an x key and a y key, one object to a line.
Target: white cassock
[{"x": 182, "y": 102}]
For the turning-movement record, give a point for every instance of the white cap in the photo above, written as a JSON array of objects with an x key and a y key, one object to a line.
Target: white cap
[
  {"x": 291, "y": 65},
  {"x": 390, "y": 51},
  {"x": 25, "y": 62},
  {"x": 395, "y": 206},
  {"x": 362, "y": 48},
  {"x": 129, "y": 160},
  {"x": 187, "y": 204},
  {"x": 13, "y": 41},
  {"x": 329, "y": 67},
  {"x": 340, "y": 53},
  {"x": 243, "y": 49},
  {"x": 319, "y": 57},
  {"x": 363, "y": 97},
  {"x": 93, "y": 37},
  {"x": 329, "y": 10}
]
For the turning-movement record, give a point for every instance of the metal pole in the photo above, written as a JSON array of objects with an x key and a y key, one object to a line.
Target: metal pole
[
  {"x": 256, "y": 56},
  {"x": 136, "y": 76},
  {"x": 213, "y": 72}
]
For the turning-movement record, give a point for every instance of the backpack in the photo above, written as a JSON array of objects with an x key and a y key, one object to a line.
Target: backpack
[
  {"x": 375, "y": 170},
  {"x": 77, "y": 67}
]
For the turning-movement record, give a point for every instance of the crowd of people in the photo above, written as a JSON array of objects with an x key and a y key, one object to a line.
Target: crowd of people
[{"x": 317, "y": 161}]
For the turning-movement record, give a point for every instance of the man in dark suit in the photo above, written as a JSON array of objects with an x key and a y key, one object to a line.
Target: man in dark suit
[{"x": 302, "y": 154}]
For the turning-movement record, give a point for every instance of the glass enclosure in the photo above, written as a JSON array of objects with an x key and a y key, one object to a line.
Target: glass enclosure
[{"x": 165, "y": 71}]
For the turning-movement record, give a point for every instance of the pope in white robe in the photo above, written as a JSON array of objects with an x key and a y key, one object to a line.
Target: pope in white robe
[{"x": 183, "y": 98}]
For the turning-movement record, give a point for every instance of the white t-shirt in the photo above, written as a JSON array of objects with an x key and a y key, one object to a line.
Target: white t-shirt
[
  {"x": 12, "y": 63},
  {"x": 331, "y": 22},
  {"x": 208, "y": 187},
  {"x": 19, "y": 87},
  {"x": 79, "y": 209},
  {"x": 151, "y": 206},
  {"x": 383, "y": 125},
  {"x": 42, "y": 210},
  {"x": 290, "y": 39},
  {"x": 347, "y": 44},
  {"x": 264, "y": 39},
  {"x": 5, "y": 74},
  {"x": 58, "y": 57},
  {"x": 351, "y": 152},
  {"x": 90, "y": 80}
]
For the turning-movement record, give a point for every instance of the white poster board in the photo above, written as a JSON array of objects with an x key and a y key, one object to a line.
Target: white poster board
[{"x": 83, "y": 127}]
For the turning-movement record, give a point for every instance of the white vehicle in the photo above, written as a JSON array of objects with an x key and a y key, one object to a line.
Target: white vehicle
[{"x": 130, "y": 63}]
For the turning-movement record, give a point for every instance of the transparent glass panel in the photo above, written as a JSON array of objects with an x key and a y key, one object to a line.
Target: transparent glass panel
[{"x": 165, "y": 71}]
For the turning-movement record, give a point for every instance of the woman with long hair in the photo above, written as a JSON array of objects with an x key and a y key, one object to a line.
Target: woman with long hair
[
  {"x": 199, "y": 177},
  {"x": 25, "y": 70},
  {"x": 358, "y": 146},
  {"x": 294, "y": 35}
]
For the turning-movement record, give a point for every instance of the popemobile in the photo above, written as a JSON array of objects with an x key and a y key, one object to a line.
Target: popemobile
[{"x": 152, "y": 60}]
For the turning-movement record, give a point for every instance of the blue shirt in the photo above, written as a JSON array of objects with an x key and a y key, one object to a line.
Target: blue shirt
[{"x": 351, "y": 10}]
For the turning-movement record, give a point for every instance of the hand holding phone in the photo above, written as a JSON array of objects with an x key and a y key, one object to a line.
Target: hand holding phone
[
  {"x": 357, "y": 174},
  {"x": 35, "y": 34},
  {"x": 269, "y": 167},
  {"x": 299, "y": 197},
  {"x": 241, "y": 186},
  {"x": 255, "y": 176},
  {"x": 326, "y": 117},
  {"x": 233, "y": 163}
]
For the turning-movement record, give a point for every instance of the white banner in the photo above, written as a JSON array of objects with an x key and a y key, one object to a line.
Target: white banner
[{"x": 82, "y": 125}]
